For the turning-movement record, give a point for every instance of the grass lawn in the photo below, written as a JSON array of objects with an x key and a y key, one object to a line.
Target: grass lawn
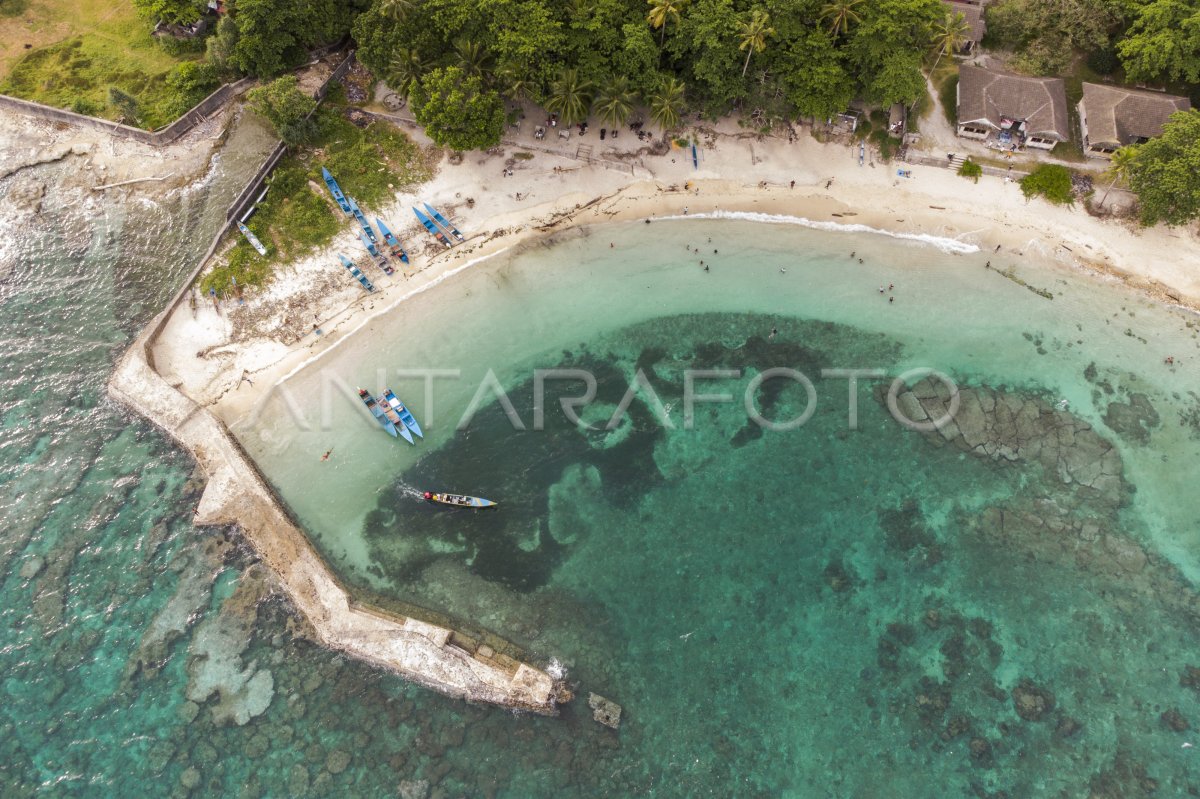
[
  {"x": 298, "y": 215},
  {"x": 79, "y": 48}
]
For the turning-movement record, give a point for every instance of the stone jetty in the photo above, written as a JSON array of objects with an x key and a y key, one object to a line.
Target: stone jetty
[{"x": 236, "y": 494}]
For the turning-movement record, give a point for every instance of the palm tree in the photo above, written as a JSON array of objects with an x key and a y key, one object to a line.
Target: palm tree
[
  {"x": 398, "y": 10},
  {"x": 406, "y": 68},
  {"x": 841, "y": 13},
  {"x": 570, "y": 97},
  {"x": 662, "y": 11},
  {"x": 950, "y": 35},
  {"x": 473, "y": 58},
  {"x": 614, "y": 102},
  {"x": 666, "y": 104},
  {"x": 515, "y": 82},
  {"x": 1120, "y": 168},
  {"x": 754, "y": 33}
]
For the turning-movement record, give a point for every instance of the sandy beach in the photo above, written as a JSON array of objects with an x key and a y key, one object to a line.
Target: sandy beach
[{"x": 208, "y": 353}]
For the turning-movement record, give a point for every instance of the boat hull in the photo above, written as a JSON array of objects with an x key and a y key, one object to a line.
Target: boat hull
[
  {"x": 404, "y": 413},
  {"x": 250, "y": 237},
  {"x": 444, "y": 222},
  {"x": 356, "y": 273},
  {"x": 458, "y": 501},
  {"x": 377, "y": 412},
  {"x": 432, "y": 228},
  {"x": 335, "y": 190}
]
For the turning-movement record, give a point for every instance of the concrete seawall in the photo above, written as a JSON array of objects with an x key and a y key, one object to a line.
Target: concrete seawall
[{"x": 236, "y": 494}]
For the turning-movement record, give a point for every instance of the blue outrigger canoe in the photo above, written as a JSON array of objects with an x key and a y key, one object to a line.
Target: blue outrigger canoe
[
  {"x": 362, "y": 220},
  {"x": 358, "y": 275},
  {"x": 392, "y": 241},
  {"x": 377, "y": 412},
  {"x": 444, "y": 222},
  {"x": 405, "y": 415},
  {"x": 335, "y": 190},
  {"x": 380, "y": 261},
  {"x": 250, "y": 237},
  {"x": 432, "y": 228}
]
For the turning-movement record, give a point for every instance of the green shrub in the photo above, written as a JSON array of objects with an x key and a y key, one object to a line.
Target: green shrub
[
  {"x": 949, "y": 99},
  {"x": 1050, "y": 181},
  {"x": 970, "y": 169},
  {"x": 884, "y": 143},
  {"x": 84, "y": 106}
]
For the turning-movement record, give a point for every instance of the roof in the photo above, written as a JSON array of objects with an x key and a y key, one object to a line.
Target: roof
[
  {"x": 987, "y": 95},
  {"x": 1120, "y": 116},
  {"x": 974, "y": 16}
]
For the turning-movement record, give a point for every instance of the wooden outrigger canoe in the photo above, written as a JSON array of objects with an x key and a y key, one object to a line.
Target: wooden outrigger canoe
[
  {"x": 358, "y": 275},
  {"x": 432, "y": 228},
  {"x": 250, "y": 237},
  {"x": 405, "y": 415},
  {"x": 445, "y": 223},
  {"x": 335, "y": 190},
  {"x": 362, "y": 220},
  {"x": 377, "y": 411},
  {"x": 458, "y": 500},
  {"x": 392, "y": 241}
]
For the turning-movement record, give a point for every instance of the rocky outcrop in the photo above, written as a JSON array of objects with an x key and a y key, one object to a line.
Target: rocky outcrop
[{"x": 1013, "y": 428}]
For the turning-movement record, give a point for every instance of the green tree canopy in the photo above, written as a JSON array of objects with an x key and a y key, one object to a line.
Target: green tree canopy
[
  {"x": 823, "y": 87},
  {"x": 1163, "y": 43},
  {"x": 286, "y": 107},
  {"x": 1045, "y": 35},
  {"x": 1165, "y": 172},
  {"x": 886, "y": 48},
  {"x": 457, "y": 111},
  {"x": 170, "y": 11}
]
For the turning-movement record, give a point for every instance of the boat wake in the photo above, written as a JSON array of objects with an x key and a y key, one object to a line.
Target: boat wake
[
  {"x": 941, "y": 242},
  {"x": 405, "y": 490}
]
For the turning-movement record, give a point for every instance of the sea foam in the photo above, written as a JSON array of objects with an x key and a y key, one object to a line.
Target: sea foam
[{"x": 944, "y": 244}]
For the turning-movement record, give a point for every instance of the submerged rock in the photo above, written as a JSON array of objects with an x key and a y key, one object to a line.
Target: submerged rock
[
  {"x": 337, "y": 761},
  {"x": 605, "y": 711},
  {"x": 32, "y": 567},
  {"x": 1174, "y": 720},
  {"x": 1031, "y": 701},
  {"x": 190, "y": 777},
  {"x": 1132, "y": 420},
  {"x": 414, "y": 789}
]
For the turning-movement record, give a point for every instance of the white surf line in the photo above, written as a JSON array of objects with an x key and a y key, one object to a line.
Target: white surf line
[
  {"x": 940, "y": 242},
  {"x": 387, "y": 309}
]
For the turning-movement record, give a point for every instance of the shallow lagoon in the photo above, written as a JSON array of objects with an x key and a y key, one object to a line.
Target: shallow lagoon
[{"x": 822, "y": 611}]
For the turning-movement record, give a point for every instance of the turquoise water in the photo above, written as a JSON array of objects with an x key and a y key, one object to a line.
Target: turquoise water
[{"x": 821, "y": 612}]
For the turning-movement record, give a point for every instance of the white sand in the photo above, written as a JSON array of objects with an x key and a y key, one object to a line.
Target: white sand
[{"x": 738, "y": 172}]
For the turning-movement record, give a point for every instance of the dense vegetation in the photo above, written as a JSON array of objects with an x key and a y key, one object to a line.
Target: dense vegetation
[
  {"x": 1165, "y": 172},
  {"x": 298, "y": 216},
  {"x": 773, "y": 59},
  {"x": 1152, "y": 40},
  {"x": 287, "y": 108},
  {"x": 132, "y": 81}
]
